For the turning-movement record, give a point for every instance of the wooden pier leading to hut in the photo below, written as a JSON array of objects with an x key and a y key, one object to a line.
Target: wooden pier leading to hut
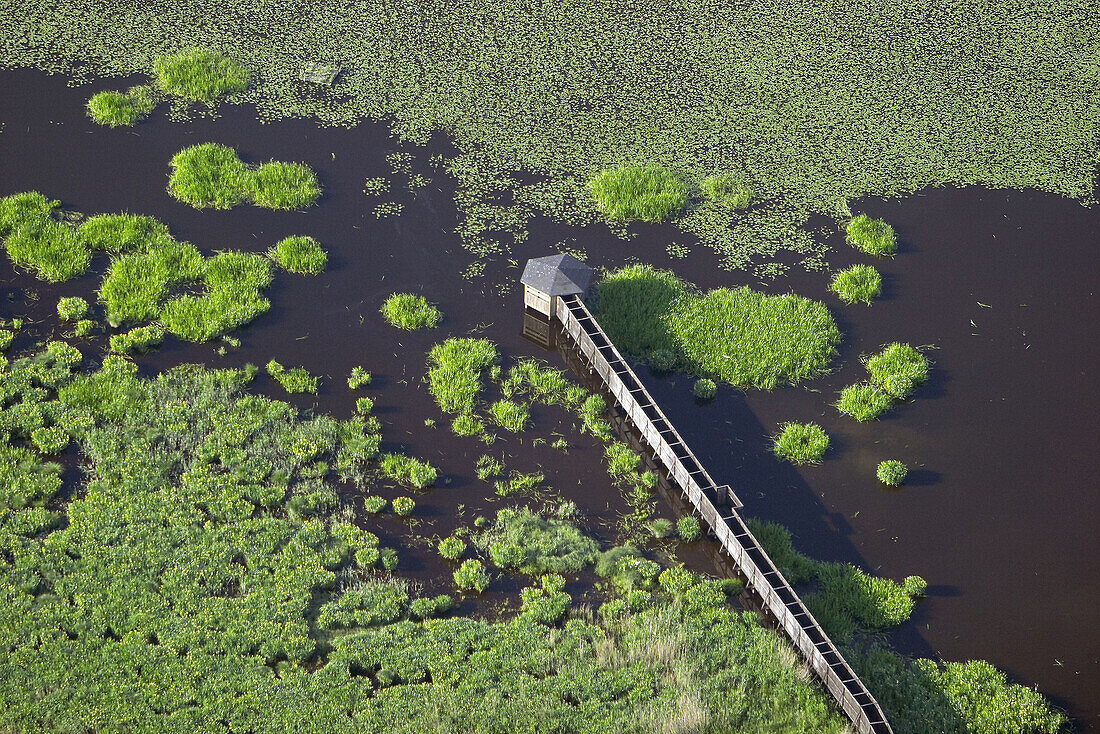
[{"x": 716, "y": 504}]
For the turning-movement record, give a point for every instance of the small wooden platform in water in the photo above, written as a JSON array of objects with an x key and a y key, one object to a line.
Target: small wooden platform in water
[{"x": 319, "y": 73}]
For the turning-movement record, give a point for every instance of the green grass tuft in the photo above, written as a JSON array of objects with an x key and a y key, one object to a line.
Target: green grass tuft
[
  {"x": 200, "y": 75},
  {"x": 648, "y": 193},
  {"x": 857, "y": 284},
  {"x": 509, "y": 415},
  {"x": 115, "y": 109},
  {"x": 299, "y": 254},
  {"x": 898, "y": 370},
  {"x": 409, "y": 311},
  {"x": 209, "y": 175},
  {"x": 801, "y": 443},
  {"x": 863, "y": 401},
  {"x": 118, "y": 233},
  {"x": 280, "y": 185},
  {"x": 873, "y": 236},
  {"x": 454, "y": 373},
  {"x": 71, "y": 309},
  {"x": 892, "y": 472},
  {"x": 704, "y": 389},
  {"x": 408, "y": 470}
]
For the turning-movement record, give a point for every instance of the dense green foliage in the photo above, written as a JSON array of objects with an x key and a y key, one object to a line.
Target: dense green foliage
[
  {"x": 892, "y": 472},
  {"x": 801, "y": 443},
  {"x": 119, "y": 233},
  {"x": 726, "y": 190},
  {"x": 857, "y": 284},
  {"x": 863, "y": 401},
  {"x": 648, "y": 193},
  {"x": 895, "y": 373},
  {"x": 408, "y": 470},
  {"x": 688, "y": 529},
  {"x": 523, "y": 540},
  {"x": 410, "y": 311},
  {"x": 299, "y": 254},
  {"x": 293, "y": 380},
  {"x": 742, "y": 336},
  {"x": 138, "y": 340},
  {"x": 115, "y": 109},
  {"x": 212, "y": 175},
  {"x": 704, "y": 389},
  {"x": 873, "y": 236},
  {"x": 199, "y": 74},
  {"x": 809, "y": 103},
  {"x": 509, "y": 415},
  {"x": 455, "y": 372},
  {"x": 72, "y": 309},
  {"x": 35, "y": 239}
]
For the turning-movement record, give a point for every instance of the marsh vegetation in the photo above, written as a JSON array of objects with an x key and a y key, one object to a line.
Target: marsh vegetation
[{"x": 211, "y": 175}]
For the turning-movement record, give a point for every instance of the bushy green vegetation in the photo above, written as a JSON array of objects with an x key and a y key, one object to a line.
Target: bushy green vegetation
[
  {"x": 857, "y": 284},
  {"x": 410, "y": 311},
  {"x": 35, "y": 239},
  {"x": 115, "y": 109},
  {"x": 509, "y": 415},
  {"x": 648, "y": 193},
  {"x": 704, "y": 389},
  {"x": 138, "y": 340},
  {"x": 895, "y": 372},
  {"x": 892, "y": 472},
  {"x": 452, "y": 547},
  {"x": 357, "y": 379},
  {"x": 403, "y": 506},
  {"x": 299, "y": 254},
  {"x": 293, "y": 380},
  {"x": 527, "y": 542},
  {"x": 742, "y": 336},
  {"x": 72, "y": 309},
  {"x": 455, "y": 372},
  {"x": 801, "y": 443},
  {"x": 873, "y": 236},
  {"x": 688, "y": 529},
  {"x": 199, "y": 74},
  {"x": 408, "y": 470},
  {"x": 471, "y": 576},
  {"x": 726, "y": 190},
  {"x": 119, "y": 233},
  {"x": 211, "y": 175}
]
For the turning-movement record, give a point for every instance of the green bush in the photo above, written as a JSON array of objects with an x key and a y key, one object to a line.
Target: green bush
[
  {"x": 863, "y": 401},
  {"x": 374, "y": 504},
  {"x": 452, "y": 547},
  {"x": 544, "y": 545},
  {"x": 726, "y": 190},
  {"x": 294, "y": 380},
  {"x": 509, "y": 415},
  {"x": 50, "y": 440},
  {"x": 199, "y": 74},
  {"x": 801, "y": 443},
  {"x": 358, "y": 378},
  {"x": 280, "y": 185},
  {"x": 892, "y": 472},
  {"x": 857, "y": 284},
  {"x": 410, "y": 311},
  {"x": 138, "y": 340},
  {"x": 403, "y": 506},
  {"x": 471, "y": 576},
  {"x": 705, "y": 389},
  {"x": 648, "y": 193},
  {"x": 299, "y": 254},
  {"x": 873, "y": 236},
  {"x": 688, "y": 529},
  {"x": 431, "y": 608},
  {"x": 71, "y": 309},
  {"x": 408, "y": 470},
  {"x": 898, "y": 369}
]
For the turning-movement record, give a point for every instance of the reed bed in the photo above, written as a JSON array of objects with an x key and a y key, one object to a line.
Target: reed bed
[
  {"x": 200, "y": 74},
  {"x": 410, "y": 311},
  {"x": 647, "y": 193},
  {"x": 801, "y": 443},
  {"x": 211, "y": 175},
  {"x": 122, "y": 109},
  {"x": 873, "y": 236},
  {"x": 857, "y": 284}
]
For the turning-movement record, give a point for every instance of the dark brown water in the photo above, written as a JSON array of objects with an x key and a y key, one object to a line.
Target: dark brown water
[{"x": 1001, "y": 506}]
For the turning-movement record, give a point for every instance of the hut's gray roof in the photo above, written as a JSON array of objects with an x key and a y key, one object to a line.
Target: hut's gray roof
[{"x": 557, "y": 275}]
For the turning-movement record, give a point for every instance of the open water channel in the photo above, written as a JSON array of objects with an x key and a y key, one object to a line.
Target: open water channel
[{"x": 1001, "y": 509}]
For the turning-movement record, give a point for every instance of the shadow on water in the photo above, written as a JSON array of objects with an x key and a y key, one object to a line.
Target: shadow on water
[{"x": 1000, "y": 511}]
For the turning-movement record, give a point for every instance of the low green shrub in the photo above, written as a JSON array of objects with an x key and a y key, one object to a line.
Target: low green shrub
[
  {"x": 408, "y": 470},
  {"x": 50, "y": 439},
  {"x": 363, "y": 406},
  {"x": 299, "y": 254},
  {"x": 892, "y": 472},
  {"x": 546, "y": 603},
  {"x": 544, "y": 545},
  {"x": 688, "y": 529},
  {"x": 857, "y": 284},
  {"x": 705, "y": 389},
  {"x": 726, "y": 190},
  {"x": 374, "y": 504},
  {"x": 199, "y": 74},
  {"x": 403, "y": 506},
  {"x": 863, "y": 401},
  {"x": 367, "y": 603},
  {"x": 452, "y": 547},
  {"x": 800, "y": 443},
  {"x": 873, "y": 236},
  {"x": 662, "y": 361},
  {"x": 898, "y": 369},
  {"x": 410, "y": 311},
  {"x": 431, "y": 608},
  {"x": 115, "y": 109},
  {"x": 138, "y": 340},
  {"x": 294, "y": 380},
  {"x": 509, "y": 415},
  {"x": 358, "y": 378},
  {"x": 471, "y": 576},
  {"x": 71, "y": 309},
  {"x": 648, "y": 193},
  {"x": 83, "y": 327}
]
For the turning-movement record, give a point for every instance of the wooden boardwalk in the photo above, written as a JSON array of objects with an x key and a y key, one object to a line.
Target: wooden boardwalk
[{"x": 718, "y": 505}]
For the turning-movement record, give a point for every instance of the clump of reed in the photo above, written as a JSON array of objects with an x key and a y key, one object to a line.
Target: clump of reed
[
  {"x": 857, "y": 284},
  {"x": 138, "y": 340},
  {"x": 647, "y": 193},
  {"x": 408, "y": 470},
  {"x": 122, "y": 109},
  {"x": 119, "y": 233},
  {"x": 455, "y": 369},
  {"x": 293, "y": 380},
  {"x": 299, "y": 254},
  {"x": 873, "y": 236},
  {"x": 801, "y": 443},
  {"x": 892, "y": 472},
  {"x": 72, "y": 309},
  {"x": 410, "y": 311},
  {"x": 726, "y": 190},
  {"x": 211, "y": 175},
  {"x": 509, "y": 415},
  {"x": 895, "y": 372},
  {"x": 200, "y": 74}
]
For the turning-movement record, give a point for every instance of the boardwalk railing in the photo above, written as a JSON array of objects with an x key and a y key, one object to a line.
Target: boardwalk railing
[{"x": 718, "y": 505}]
